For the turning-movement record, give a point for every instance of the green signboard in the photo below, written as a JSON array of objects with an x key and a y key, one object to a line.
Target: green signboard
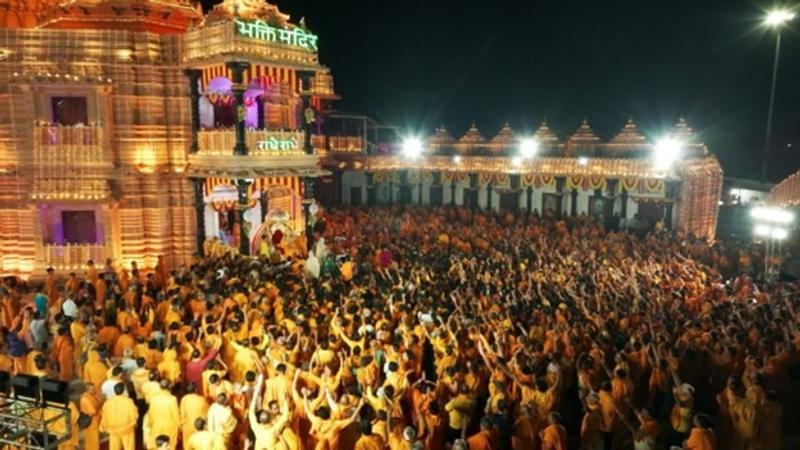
[
  {"x": 262, "y": 31},
  {"x": 279, "y": 144}
]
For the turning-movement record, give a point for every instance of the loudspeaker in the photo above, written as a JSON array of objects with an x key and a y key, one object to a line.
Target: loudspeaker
[
  {"x": 54, "y": 391},
  {"x": 5, "y": 383},
  {"x": 26, "y": 387}
]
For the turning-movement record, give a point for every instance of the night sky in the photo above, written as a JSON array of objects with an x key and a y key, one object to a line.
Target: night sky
[{"x": 419, "y": 64}]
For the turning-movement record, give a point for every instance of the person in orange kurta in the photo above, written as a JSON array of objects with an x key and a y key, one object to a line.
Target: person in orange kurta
[
  {"x": 100, "y": 288},
  {"x": 90, "y": 406},
  {"x": 163, "y": 415},
  {"x": 192, "y": 407},
  {"x": 482, "y": 440},
  {"x": 368, "y": 439},
  {"x": 701, "y": 437},
  {"x": 95, "y": 371},
  {"x": 64, "y": 354},
  {"x": 119, "y": 419},
  {"x": 554, "y": 437}
]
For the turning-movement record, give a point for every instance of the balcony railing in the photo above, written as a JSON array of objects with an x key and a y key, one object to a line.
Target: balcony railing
[
  {"x": 68, "y": 146},
  {"x": 65, "y": 257},
  {"x": 350, "y": 144},
  {"x": 259, "y": 142}
]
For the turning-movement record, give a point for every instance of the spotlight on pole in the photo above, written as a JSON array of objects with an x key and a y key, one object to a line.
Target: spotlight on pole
[
  {"x": 778, "y": 17},
  {"x": 412, "y": 147},
  {"x": 668, "y": 150},
  {"x": 528, "y": 148}
]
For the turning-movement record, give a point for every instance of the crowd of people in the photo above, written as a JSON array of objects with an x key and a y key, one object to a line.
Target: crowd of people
[{"x": 422, "y": 329}]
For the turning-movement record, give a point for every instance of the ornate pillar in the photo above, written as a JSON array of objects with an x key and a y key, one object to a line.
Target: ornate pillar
[
  {"x": 262, "y": 113},
  {"x": 489, "y": 196},
  {"x": 200, "y": 214},
  {"x": 529, "y": 200},
  {"x": 671, "y": 193},
  {"x": 337, "y": 181},
  {"x": 308, "y": 199},
  {"x": 308, "y": 112},
  {"x": 560, "y": 182},
  {"x": 244, "y": 236},
  {"x": 573, "y": 209},
  {"x": 238, "y": 68},
  {"x": 453, "y": 192},
  {"x": 370, "y": 189},
  {"x": 419, "y": 193},
  {"x": 624, "y": 199},
  {"x": 194, "y": 96}
]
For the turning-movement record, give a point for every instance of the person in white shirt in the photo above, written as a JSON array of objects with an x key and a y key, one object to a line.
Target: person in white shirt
[{"x": 70, "y": 308}]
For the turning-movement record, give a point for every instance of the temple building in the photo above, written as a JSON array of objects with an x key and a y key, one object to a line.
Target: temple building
[
  {"x": 133, "y": 129},
  {"x": 612, "y": 180},
  {"x": 787, "y": 192}
]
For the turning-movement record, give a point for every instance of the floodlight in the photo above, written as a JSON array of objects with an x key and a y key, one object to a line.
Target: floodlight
[
  {"x": 778, "y": 17},
  {"x": 762, "y": 230},
  {"x": 457, "y": 159},
  {"x": 528, "y": 147},
  {"x": 772, "y": 215},
  {"x": 516, "y": 161},
  {"x": 779, "y": 234},
  {"x": 583, "y": 160},
  {"x": 667, "y": 151},
  {"x": 412, "y": 147}
]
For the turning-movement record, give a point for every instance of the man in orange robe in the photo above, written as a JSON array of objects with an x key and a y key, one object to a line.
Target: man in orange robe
[
  {"x": 119, "y": 419},
  {"x": 95, "y": 371},
  {"x": 482, "y": 440},
  {"x": 163, "y": 415},
  {"x": 90, "y": 406},
  {"x": 64, "y": 354},
  {"x": 701, "y": 437},
  {"x": 192, "y": 407},
  {"x": 554, "y": 437}
]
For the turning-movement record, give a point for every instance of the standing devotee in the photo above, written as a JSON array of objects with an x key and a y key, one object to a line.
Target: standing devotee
[{"x": 118, "y": 418}]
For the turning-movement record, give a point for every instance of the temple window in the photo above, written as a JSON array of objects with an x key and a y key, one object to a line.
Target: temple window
[{"x": 69, "y": 111}]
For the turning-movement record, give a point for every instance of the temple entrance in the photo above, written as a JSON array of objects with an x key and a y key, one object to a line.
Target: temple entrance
[
  {"x": 436, "y": 195},
  {"x": 509, "y": 201},
  {"x": 650, "y": 213},
  {"x": 471, "y": 198},
  {"x": 355, "y": 196}
]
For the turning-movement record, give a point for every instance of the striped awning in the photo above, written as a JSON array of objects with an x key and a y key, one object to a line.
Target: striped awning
[{"x": 265, "y": 75}]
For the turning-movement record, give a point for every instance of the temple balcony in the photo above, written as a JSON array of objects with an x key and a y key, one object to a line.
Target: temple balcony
[
  {"x": 270, "y": 153},
  {"x": 70, "y": 163},
  {"x": 259, "y": 142},
  {"x": 65, "y": 147},
  {"x": 70, "y": 257}
]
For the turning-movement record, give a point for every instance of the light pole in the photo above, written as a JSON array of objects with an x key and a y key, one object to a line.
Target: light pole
[{"x": 775, "y": 19}]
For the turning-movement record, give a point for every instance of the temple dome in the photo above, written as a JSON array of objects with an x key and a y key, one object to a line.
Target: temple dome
[
  {"x": 471, "y": 140},
  {"x": 441, "y": 138},
  {"x": 627, "y": 140},
  {"x": 504, "y": 139},
  {"x": 155, "y": 16},
  {"x": 582, "y": 140},
  {"x": 249, "y": 10},
  {"x": 547, "y": 139}
]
